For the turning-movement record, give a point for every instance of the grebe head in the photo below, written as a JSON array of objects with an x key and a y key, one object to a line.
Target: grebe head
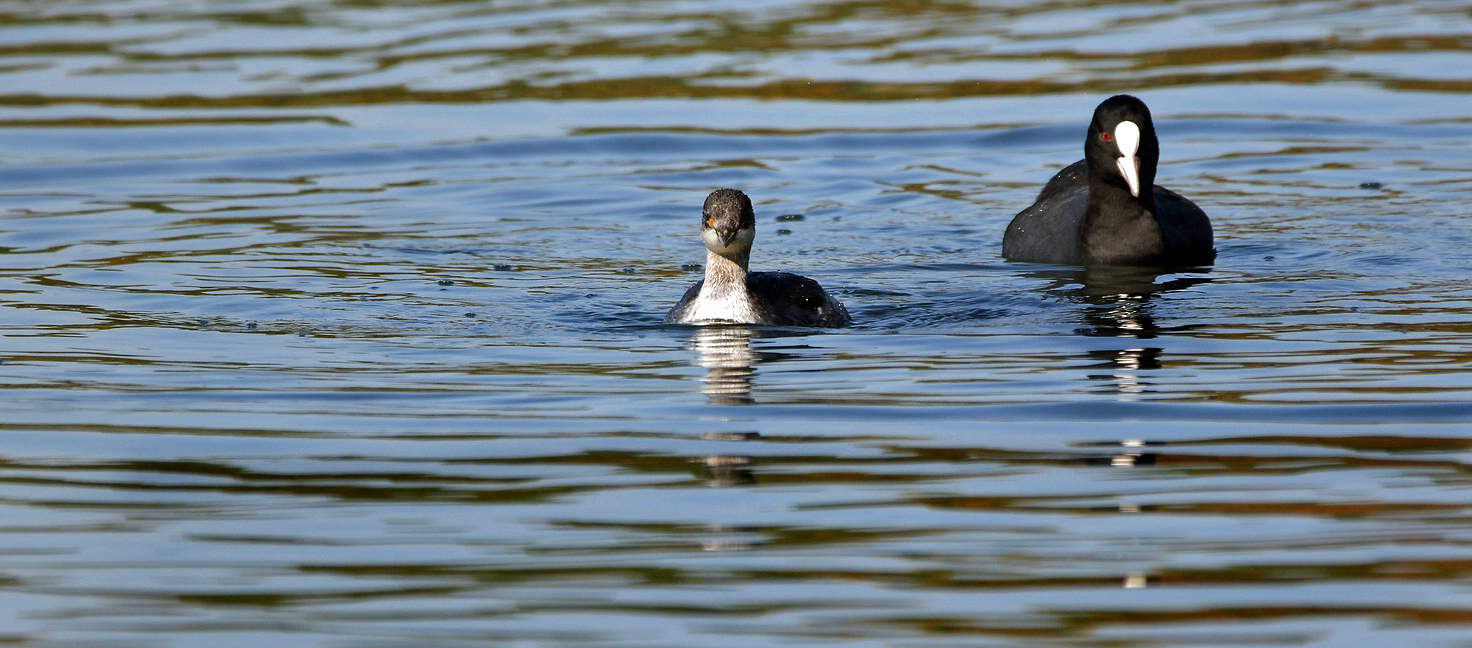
[{"x": 727, "y": 223}]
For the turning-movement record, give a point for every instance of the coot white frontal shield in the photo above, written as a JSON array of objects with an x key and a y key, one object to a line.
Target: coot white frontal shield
[{"x": 1127, "y": 137}]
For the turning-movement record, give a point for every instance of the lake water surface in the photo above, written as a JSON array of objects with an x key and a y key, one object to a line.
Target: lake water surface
[{"x": 337, "y": 323}]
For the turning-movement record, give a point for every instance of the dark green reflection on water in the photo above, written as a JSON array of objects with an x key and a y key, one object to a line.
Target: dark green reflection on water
[{"x": 548, "y": 58}]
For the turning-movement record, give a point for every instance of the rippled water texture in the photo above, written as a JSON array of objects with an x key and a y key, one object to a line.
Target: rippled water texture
[{"x": 337, "y": 323}]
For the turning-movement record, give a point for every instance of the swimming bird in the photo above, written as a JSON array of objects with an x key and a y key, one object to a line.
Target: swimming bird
[
  {"x": 1106, "y": 209},
  {"x": 730, "y": 294}
]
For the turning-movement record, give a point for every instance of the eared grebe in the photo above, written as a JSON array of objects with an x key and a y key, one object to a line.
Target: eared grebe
[
  {"x": 1106, "y": 209},
  {"x": 731, "y": 294}
]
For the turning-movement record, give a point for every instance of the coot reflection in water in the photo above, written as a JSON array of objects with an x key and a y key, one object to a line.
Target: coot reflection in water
[{"x": 1119, "y": 302}]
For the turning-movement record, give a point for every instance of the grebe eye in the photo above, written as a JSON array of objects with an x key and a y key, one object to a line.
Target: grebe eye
[{"x": 1104, "y": 136}]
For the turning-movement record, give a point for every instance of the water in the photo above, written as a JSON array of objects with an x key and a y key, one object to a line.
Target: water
[{"x": 338, "y": 324}]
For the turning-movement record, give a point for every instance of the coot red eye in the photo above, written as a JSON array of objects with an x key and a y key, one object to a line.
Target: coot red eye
[{"x": 1105, "y": 136}]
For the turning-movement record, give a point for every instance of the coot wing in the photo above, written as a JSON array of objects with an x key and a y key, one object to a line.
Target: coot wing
[
  {"x": 1069, "y": 177},
  {"x": 1185, "y": 228},
  {"x": 1047, "y": 231}
]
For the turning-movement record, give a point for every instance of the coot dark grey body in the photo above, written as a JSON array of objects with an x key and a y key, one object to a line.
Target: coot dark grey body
[
  {"x": 1106, "y": 209},
  {"x": 730, "y": 294}
]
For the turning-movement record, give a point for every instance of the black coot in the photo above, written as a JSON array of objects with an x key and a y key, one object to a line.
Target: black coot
[{"x": 1105, "y": 209}]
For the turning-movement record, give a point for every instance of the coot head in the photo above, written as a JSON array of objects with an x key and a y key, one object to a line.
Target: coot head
[
  {"x": 1121, "y": 146},
  {"x": 727, "y": 222}
]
